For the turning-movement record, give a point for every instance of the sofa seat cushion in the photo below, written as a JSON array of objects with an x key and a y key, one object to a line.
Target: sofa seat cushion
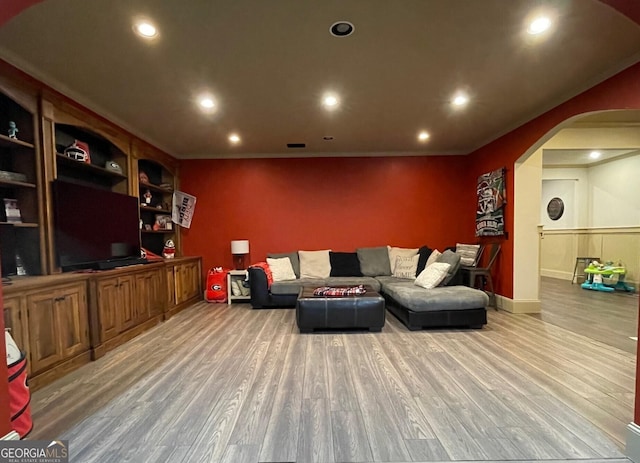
[
  {"x": 293, "y": 286},
  {"x": 419, "y": 299},
  {"x": 354, "y": 281}
]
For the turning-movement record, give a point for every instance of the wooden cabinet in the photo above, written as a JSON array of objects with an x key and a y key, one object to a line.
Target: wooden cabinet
[
  {"x": 124, "y": 303},
  {"x": 115, "y": 307},
  {"x": 57, "y": 324},
  {"x": 186, "y": 274}
]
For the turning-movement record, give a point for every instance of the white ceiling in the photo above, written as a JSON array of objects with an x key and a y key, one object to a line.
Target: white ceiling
[
  {"x": 581, "y": 157},
  {"x": 268, "y": 63}
]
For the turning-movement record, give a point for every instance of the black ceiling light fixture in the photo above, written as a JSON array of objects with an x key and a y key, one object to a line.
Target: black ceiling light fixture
[{"x": 341, "y": 29}]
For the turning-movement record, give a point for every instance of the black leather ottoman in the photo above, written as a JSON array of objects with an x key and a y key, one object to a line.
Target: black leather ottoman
[{"x": 328, "y": 312}]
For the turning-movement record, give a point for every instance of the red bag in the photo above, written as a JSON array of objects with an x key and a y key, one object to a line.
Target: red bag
[
  {"x": 19, "y": 394},
  {"x": 216, "y": 285}
]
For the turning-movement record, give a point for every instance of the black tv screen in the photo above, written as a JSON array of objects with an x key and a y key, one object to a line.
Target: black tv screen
[{"x": 94, "y": 226}]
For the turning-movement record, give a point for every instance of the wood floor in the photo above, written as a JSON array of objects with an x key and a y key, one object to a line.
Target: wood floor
[{"x": 220, "y": 383}]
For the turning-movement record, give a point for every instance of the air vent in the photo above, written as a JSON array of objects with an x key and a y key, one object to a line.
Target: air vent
[{"x": 296, "y": 145}]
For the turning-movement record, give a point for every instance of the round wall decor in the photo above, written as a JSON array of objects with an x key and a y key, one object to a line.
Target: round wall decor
[{"x": 555, "y": 208}]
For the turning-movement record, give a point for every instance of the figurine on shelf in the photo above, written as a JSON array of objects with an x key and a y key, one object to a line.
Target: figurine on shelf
[
  {"x": 169, "y": 251},
  {"x": 13, "y": 130},
  {"x": 147, "y": 198}
]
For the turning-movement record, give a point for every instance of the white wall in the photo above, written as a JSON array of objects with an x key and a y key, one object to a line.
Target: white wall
[
  {"x": 614, "y": 193},
  {"x": 552, "y": 186},
  {"x": 606, "y": 195}
]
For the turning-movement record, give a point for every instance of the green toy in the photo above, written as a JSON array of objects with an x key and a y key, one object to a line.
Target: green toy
[{"x": 597, "y": 272}]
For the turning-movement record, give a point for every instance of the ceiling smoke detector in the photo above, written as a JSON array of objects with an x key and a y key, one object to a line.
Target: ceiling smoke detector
[{"x": 341, "y": 29}]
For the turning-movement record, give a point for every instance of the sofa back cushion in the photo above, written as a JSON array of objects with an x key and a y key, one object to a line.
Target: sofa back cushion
[
  {"x": 395, "y": 252},
  {"x": 424, "y": 252},
  {"x": 451, "y": 258},
  {"x": 281, "y": 269},
  {"x": 344, "y": 264},
  {"x": 314, "y": 264},
  {"x": 293, "y": 257},
  {"x": 406, "y": 267},
  {"x": 374, "y": 261}
]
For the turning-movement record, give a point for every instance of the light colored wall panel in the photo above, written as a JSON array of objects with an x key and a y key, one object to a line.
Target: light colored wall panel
[
  {"x": 559, "y": 249},
  {"x": 557, "y": 255},
  {"x": 622, "y": 248}
]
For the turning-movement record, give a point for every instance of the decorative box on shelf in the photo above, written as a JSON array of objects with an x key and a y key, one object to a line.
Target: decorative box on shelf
[{"x": 237, "y": 286}]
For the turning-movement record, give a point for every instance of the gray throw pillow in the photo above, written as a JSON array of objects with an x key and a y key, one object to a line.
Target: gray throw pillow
[
  {"x": 374, "y": 261},
  {"x": 293, "y": 257},
  {"x": 453, "y": 259}
]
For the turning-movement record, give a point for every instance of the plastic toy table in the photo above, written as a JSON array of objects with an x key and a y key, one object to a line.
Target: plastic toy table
[{"x": 595, "y": 278}]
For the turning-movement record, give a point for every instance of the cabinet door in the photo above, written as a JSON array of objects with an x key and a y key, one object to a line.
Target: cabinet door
[
  {"x": 126, "y": 304},
  {"x": 149, "y": 293},
  {"x": 16, "y": 319},
  {"x": 192, "y": 283},
  {"x": 156, "y": 285},
  {"x": 71, "y": 312},
  {"x": 108, "y": 306},
  {"x": 179, "y": 282},
  {"x": 171, "y": 286},
  {"x": 43, "y": 330}
]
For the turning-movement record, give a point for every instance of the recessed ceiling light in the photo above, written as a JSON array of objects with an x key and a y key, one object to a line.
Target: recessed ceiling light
[
  {"x": 341, "y": 29},
  {"x": 234, "y": 138},
  {"x": 460, "y": 99},
  {"x": 423, "y": 136},
  {"x": 595, "y": 154},
  {"x": 207, "y": 103},
  {"x": 330, "y": 101},
  {"x": 327, "y": 138},
  {"x": 539, "y": 25},
  {"x": 146, "y": 29}
]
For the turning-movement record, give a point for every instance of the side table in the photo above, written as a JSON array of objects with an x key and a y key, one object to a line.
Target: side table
[{"x": 237, "y": 276}]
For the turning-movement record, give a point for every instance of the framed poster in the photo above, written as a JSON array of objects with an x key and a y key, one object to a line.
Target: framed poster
[{"x": 491, "y": 200}]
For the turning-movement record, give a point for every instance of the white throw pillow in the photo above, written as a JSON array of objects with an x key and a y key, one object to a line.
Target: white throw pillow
[
  {"x": 406, "y": 267},
  {"x": 395, "y": 252},
  {"x": 432, "y": 258},
  {"x": 468, "y": 253},
  {"x": 314, "y": 264},
  {"x": 433, "y": 275},
  {"x": 281, "y": 268}
]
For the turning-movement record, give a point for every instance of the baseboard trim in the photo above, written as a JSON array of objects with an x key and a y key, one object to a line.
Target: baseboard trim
[
  {"x": 559, "y": 274},
  {"x": 519, "y": 306},
  {"x": 632, "y": 449},
  {"x": 11, "y": 436}
]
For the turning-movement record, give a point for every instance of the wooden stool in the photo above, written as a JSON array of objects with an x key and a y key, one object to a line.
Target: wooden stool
[{"x": 585, "y": 262}]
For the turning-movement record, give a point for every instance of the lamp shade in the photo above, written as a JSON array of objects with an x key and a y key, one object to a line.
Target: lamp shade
[{"x": 240, "y": 247}]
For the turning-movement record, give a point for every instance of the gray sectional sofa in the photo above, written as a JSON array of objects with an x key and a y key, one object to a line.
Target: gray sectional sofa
[{"x": 448, "y": 305}]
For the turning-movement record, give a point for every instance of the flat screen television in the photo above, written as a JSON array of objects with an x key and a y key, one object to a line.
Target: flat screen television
[{"x": 93, "y": 227}]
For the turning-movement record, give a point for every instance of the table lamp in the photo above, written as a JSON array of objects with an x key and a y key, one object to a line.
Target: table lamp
[{"x": 239, "y": 248}]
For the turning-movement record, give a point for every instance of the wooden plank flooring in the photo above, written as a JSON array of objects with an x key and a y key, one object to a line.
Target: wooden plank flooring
[{"x": 220, "y": 383}]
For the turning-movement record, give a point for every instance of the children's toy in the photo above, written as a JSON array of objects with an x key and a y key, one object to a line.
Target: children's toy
[{"x": 597, "y": 273}]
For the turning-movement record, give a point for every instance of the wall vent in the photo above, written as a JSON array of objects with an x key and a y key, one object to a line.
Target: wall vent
[{"x": 296, "y": 145}]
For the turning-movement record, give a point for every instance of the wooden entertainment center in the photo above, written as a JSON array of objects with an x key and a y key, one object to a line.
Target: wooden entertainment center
[{"x": 65, "y": 319}]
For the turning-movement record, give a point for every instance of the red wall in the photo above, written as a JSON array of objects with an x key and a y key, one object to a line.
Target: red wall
[{"x": 281, "y": 205}]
